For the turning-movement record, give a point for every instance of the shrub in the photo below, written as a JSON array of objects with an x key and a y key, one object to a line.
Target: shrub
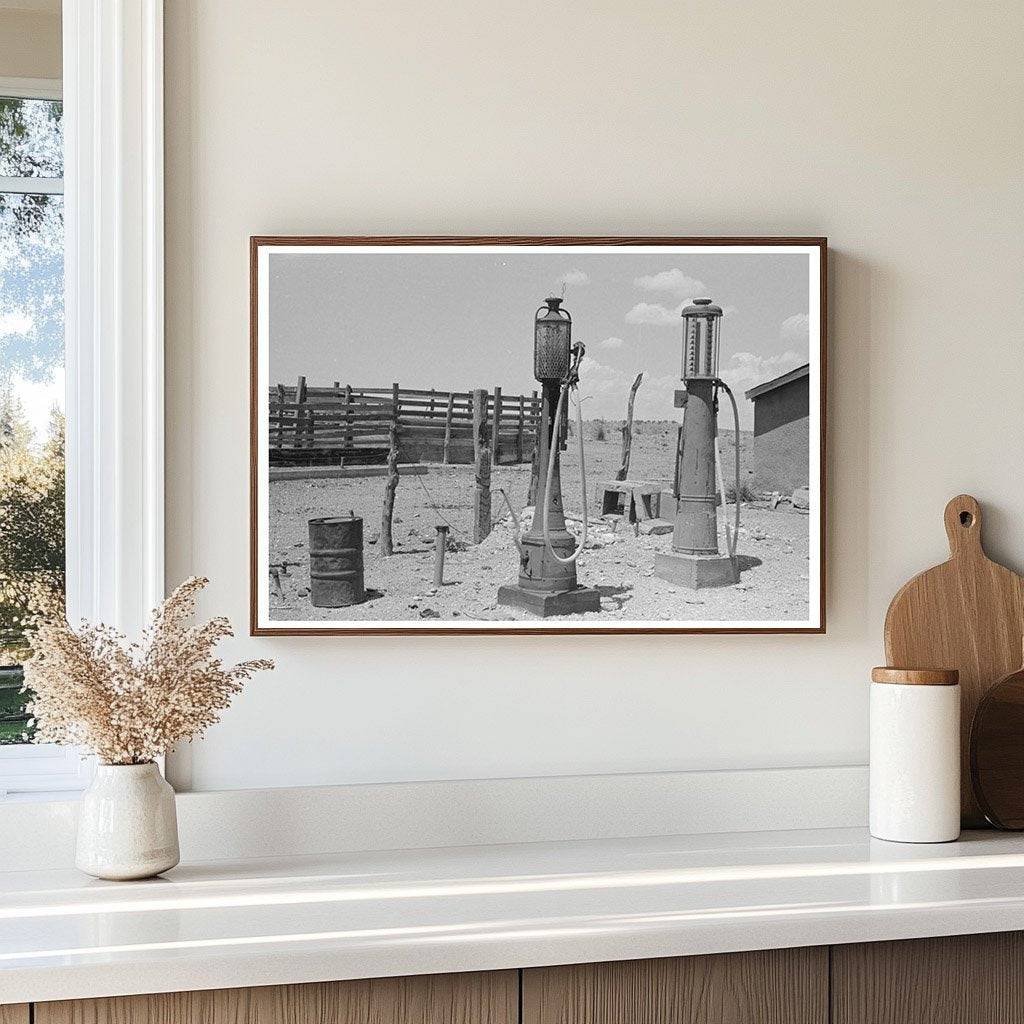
[{"x": 746, "y": 492}]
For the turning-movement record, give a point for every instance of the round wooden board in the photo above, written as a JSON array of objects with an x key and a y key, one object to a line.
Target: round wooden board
[
  {"x": 997, "y": 752},
  {"x": 967, "y": 614}
]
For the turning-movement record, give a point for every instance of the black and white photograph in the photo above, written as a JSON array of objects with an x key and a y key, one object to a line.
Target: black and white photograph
[{"x": 521, "y": 435}]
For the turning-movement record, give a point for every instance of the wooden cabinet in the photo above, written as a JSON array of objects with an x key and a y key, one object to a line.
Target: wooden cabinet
[
  {"x": 963, "y": 979},
  {"x": 971, "y": 979},
  {"x": 491, "y": 998},
  {"x": 777, "y": 986}
]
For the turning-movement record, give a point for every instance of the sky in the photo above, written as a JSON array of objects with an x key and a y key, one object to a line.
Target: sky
[
  {"x": 465, "y": 320},
  {"x": 31, "y": 267}
]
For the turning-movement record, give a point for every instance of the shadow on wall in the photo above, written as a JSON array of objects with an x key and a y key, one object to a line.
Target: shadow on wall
[{"x": 858, "y": 296}]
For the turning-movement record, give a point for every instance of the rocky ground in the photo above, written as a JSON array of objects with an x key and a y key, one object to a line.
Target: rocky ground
[{"x": 773, "y": 545}]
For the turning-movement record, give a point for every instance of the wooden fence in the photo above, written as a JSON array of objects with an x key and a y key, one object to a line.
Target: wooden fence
[{"x": 345, "y": 425}]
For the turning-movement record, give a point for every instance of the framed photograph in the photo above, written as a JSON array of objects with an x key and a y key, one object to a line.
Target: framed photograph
[{"x": 537, "y": 435}]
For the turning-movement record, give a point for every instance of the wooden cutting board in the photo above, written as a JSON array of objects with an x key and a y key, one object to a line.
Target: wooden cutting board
[{"x": 967, "y": 614}]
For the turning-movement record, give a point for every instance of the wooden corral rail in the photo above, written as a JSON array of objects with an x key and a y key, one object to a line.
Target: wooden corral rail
[{"x": 348, "y": 425}]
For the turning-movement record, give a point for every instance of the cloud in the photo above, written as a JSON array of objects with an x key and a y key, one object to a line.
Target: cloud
[
  {"x": 674, "y": 281},
  {"x": 795, "y": 329},
  {"x": 575, "y": 277},
  {"x": 600, "y": 378},
  {"x": 605, "y": 390},
  {"x": 661, "y": 316},
  {"x": 654, "y": 313},
  {"x": 746, "y": 370}
]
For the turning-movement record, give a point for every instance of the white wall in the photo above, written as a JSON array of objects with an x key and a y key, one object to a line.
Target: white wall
[{"x": 895, "y": 129}]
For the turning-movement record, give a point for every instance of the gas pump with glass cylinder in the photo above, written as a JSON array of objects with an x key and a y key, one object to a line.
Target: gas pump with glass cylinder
[
  {"x": 695, "y": 560},
  {"x": 548, "y": 551}
]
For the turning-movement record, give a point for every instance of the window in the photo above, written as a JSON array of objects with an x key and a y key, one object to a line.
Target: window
[
  {"x": 32, "y": 549},
  {"x": 91, "y": 171}
]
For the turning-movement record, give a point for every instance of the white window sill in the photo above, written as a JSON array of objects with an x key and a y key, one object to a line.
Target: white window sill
[{"x": 43, "y": 771}]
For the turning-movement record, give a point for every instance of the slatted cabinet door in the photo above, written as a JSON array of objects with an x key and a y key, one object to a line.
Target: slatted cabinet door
[
  {"x": 962, "y": 979},
  {"x": 482, "y": 998},
  {"x": 14, "y": 1013},
  {"x": 778, "y": 986}
]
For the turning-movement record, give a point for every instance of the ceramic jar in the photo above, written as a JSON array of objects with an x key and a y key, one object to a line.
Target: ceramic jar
[
  {"x": 915, "y": 755},
  {"x": 127, "y": 825}
]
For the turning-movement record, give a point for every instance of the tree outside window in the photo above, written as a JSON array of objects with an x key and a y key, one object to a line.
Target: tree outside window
[{"x": 31, "y": 387}]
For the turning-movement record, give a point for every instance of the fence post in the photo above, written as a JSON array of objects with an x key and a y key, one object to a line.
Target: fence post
[
  {"x": 627, "y": 431},
  {"x": 280, "y": 417},
  {"x": 446, "y": 454},
  {"x": 348, "y": 422},
  {"x": 482, "y": 458},
  {"x": 496, "y": 428},
  {"x": 395, "y": 403},
  {"x": 519, "y": 432},
  {"x": 427, "y": 444},
  {"x": 300, "y": 413},
  {"x": 387, "y": 546}
]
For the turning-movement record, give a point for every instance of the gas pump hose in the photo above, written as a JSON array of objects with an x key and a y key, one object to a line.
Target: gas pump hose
[
  {"x": 731, "y": 540},
  {"x": 552, "y": 456},
  {"x": 731, "y": 536},
  {"x": 516, "y": 528}
]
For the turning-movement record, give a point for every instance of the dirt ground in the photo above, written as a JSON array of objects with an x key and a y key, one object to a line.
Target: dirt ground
[{"x": 773, "y": 549}]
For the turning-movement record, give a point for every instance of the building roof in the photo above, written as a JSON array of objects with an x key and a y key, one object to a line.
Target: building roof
[{"x": 778, "y": 382}]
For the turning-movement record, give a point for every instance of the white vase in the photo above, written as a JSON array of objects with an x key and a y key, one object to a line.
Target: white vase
[{"x": 127, "y": 825}]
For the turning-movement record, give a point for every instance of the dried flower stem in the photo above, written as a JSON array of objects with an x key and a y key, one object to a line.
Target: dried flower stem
[{"x": 129, "y": 703}]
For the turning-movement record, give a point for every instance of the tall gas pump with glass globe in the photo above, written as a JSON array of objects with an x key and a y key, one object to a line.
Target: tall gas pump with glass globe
[
  {"x": 695, "y": 559},
  {"x": 547, "y": 582}
]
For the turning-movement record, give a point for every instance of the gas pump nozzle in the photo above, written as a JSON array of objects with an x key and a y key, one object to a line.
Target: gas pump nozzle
[{"x": 572, "y": 378}]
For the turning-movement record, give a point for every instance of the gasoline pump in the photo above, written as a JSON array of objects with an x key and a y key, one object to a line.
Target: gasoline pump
[
  {"x": 548, "y": 552},
  {"x": 695, "y": 559}
]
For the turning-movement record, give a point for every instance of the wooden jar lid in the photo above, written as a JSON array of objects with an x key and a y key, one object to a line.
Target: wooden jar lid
[{"x": 916, "y": 676}]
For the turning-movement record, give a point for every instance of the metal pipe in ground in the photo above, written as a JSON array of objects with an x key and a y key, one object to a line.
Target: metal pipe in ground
[{"x": 440, "y": 545}]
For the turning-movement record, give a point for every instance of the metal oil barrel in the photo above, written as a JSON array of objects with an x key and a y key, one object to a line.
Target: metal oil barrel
[{"x": 336, "y": 561}]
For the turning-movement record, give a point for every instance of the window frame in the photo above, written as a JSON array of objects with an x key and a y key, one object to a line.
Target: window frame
[
  {"x": 112, "y": 90},
  {"x": 48, "y": 89},
  {"x": 32, "y": 88}
]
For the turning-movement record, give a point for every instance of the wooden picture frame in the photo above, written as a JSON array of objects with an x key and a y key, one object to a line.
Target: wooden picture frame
[{"x": 262, "y": 248}]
